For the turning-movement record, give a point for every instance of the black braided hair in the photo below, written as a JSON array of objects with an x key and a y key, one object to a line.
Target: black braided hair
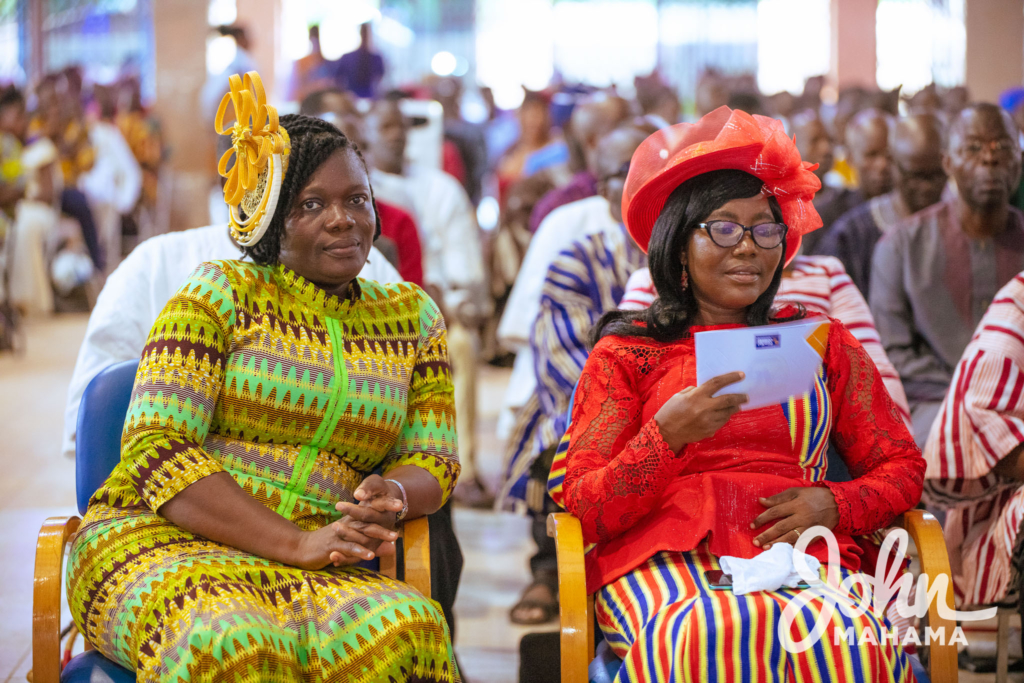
[
  {"x": 313, "y": 141},
  {"x": 670, "y": 316}
]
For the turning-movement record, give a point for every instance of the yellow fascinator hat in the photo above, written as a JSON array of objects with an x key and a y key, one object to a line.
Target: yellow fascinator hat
[{"x": 260, "y": 147}]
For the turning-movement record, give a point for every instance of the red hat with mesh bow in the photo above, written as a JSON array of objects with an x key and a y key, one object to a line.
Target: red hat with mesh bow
[{"x": 723, "y": 139}]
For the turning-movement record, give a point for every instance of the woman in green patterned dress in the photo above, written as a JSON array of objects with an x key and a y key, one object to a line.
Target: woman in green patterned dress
[{"x": 224, "y": 544}]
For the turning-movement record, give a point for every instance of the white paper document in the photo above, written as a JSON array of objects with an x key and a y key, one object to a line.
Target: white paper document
[{"x": 779, "y": 361}]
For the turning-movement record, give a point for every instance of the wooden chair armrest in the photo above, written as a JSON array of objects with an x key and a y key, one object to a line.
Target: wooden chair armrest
[
  {"x": 54, "y": 536},
  {"x": 575, "y": 607},
  {"x": 415, "y": 536},
  {"x": 926, "y": 532}
]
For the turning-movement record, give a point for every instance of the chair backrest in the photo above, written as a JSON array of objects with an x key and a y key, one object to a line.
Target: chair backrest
[{"x": 101, "y": 418}]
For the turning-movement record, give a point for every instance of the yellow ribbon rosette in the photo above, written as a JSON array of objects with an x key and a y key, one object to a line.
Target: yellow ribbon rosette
[{"x": 260, "y": 146}]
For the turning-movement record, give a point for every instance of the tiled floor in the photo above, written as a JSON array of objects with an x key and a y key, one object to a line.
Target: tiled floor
[{"x": 37, "y": 482}]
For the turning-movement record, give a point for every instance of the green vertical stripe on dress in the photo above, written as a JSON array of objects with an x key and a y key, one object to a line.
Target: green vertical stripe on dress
[{"x": 335, "y": 409}]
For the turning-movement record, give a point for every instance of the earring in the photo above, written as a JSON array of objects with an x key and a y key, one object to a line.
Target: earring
[{"x": 686, "y": 279}]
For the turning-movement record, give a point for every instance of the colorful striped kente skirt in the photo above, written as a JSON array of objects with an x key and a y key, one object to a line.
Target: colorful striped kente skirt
[
  {"x": 666, "y": 624},
  {"x": 176, "y": 607}
]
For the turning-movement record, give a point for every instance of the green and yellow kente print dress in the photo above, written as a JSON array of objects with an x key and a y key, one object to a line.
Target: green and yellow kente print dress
[{"x": 298, "y": 395}]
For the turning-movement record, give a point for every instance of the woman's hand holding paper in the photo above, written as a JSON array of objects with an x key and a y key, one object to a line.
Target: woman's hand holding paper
[{"x": 695, "y": 413}]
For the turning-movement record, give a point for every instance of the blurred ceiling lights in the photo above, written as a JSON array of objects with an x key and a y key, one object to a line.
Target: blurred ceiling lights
[
  {"x": 514, "y": 48},
  {"x": 339, "y": 25},
  {"x": 220, "y": 52},
  {"x": 221, "y": 12},
  {"x": 935, "y": 51},
  {"x": 392, "y": 31},
  {"x": 784, "y": 63},
  {"x": 443, "y": 63}
]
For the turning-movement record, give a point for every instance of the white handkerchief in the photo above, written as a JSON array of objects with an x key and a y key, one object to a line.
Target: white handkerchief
[{"x": 769, "y": 571}]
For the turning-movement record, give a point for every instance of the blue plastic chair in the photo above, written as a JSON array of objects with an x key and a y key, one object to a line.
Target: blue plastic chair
[{"x": 101, "y": 417}]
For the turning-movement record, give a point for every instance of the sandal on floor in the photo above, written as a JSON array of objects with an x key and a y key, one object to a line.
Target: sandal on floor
[
  {"x": 472, "y": 493},
  {"x": 548, "y": 608}
]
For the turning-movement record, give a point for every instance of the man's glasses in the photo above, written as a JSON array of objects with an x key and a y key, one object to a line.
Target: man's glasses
[
  {"x": 728, "y": 234},
  {"x": 1001, "y": 147}
]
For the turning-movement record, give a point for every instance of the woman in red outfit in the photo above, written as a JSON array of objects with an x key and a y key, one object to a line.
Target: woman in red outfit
[{"x": 666, "y": 478}]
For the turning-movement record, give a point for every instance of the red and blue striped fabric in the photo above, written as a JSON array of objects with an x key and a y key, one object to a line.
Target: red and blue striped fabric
[
  {"x": 980, "y": 423},
  {"x": 810, "y": 422},
  {"x": 666, "y": 624}
]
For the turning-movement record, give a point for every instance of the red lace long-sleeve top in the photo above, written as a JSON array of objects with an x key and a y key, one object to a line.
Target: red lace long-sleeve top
[{"x": 636, "y": 497}]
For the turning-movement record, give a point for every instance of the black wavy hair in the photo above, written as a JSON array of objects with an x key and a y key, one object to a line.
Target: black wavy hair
[
  {"x": 670, "y": 316},
  {"x": 313, "y": 141}
]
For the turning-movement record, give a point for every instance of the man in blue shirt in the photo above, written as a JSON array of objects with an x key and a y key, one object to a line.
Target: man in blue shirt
[{"x": 362, "y": 69}]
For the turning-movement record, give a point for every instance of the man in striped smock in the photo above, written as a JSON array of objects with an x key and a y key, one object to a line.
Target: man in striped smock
[
  {"x": 934, "y": 274},
  {"x": 975, "y": 469},
  {"x": 585, "y": 280}
]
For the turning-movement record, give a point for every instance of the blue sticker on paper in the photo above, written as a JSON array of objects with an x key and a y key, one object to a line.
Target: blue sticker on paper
[{"x": 767, "y": 341}]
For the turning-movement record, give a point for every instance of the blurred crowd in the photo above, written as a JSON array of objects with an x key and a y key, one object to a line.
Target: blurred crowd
[
  {"x": 79, "y": 186},
  {"x": 512, "y": 222}
]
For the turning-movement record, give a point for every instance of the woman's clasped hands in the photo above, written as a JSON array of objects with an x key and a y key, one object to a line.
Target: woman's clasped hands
[{"x": 366, "y": 529}]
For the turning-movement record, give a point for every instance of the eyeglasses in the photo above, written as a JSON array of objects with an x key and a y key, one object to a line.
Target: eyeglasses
[
  {"x": 728, "y": 234},
  {"x": 1001, "y": 147}
]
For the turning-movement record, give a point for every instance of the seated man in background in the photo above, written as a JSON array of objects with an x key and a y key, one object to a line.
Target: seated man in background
[
  {"x": 564, "y": 225},
  {"x": 934, "y": 275},
  {"x": 975, "y": 469},
  {"x": 396, "y": 225},
  {"x": 867, "y": 147},
  {"x": 453, "y": 262},
  {"x": 917, "y": 148},
  {"x": 867, "y": 144},
  {"x": 590, "y": 121},
  {"x": 114, "y": 182},
  {"x": 817, "y": 147},
  {"x": 584, "y": 281}
]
